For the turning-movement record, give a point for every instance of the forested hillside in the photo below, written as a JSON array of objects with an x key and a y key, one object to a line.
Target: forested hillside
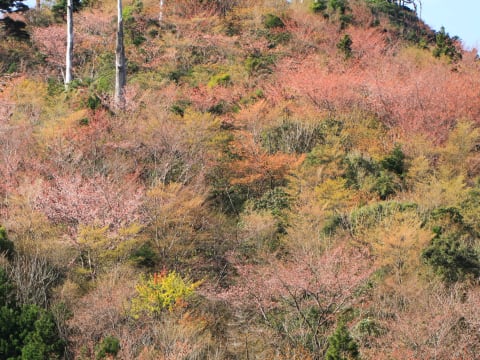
[{"x": 284, "y": 180}]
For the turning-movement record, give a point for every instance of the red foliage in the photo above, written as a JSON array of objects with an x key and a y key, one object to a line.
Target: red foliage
[
  {"x": 406, "y": 95},
  {"x": 255, "y": 167}
]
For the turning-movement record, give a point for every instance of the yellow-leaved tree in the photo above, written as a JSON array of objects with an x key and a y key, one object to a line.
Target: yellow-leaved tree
[{"x": 161, "y": 291}]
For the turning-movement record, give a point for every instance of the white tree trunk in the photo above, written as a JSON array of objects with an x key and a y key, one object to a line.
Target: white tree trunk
[
  {"x": 120, "y": 63},
  {"x": 69, "y": 56},
  {"x": 160, "y": 14}
]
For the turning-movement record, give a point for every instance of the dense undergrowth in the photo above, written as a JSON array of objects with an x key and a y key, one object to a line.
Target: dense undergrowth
[{"x": 288, "y": 181}]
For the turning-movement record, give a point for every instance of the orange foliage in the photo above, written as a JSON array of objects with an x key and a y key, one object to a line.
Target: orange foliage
[{"x": 256, "y": 167}]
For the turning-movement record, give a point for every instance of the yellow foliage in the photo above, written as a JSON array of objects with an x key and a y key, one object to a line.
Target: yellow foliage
[
  {"x": 398, "y": 240},
  {"x": 29, "y": 96},
  {"x": 461, "y": 142},
  {"x": 174, "y": 212},
  {"x": 30, "y": 229},
  {"x": 102, "y": 248},
  {"x": 366, "y": 134},
  {"x": 56, "y": 127},
  {"x": 161, "y": 291},
  {"x": 442, "y": 189},
  {"x": 419, "y": 171},
  {"x": 333, "y": 195}
]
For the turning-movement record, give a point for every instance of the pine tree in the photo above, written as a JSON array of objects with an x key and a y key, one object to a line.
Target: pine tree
[
  {"x": 341, "y": 345},
  {"x": 12, "y": 5}
]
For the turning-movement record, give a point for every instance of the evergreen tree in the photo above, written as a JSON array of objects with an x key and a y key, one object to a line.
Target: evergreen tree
[
  {"x": 28, "y": 332},
  {"x": 341, "y": 345},
  {"x": 12, "y": 5}
]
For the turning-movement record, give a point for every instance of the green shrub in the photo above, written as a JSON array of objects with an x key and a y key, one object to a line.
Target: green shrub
[
  {"x": 332, "y": 224},
  {"x": 395, "y": 161},
  {"x": 341, "y": 345},
  {"x": 145, "y": 256},
  {"x": 6, "y": 245},
  {"x": 368, "y": 327},
  {"x": 105, "y": 77},
  {"x": 110, "y": 346},
  {"x": 385, "y": 185},
  {"x": 357, "y": 169},
  {"x": 318, "y": 6},
  {"x": 274, "y": 200},
  {"x": 220, "y": 108},
  {"x": 135, "y": 35},
  {"x": 223, "y": 79},
  {"x": 177, "y": 74},
  {"x": 338, "y": 5},
  {"x": 28, "y": 332},
  {"x": 345, "y": 46},
  {"x": 445, "y": 46},
  {"x": 259, "y": 63},
  {"x": 179, "y": 107},
  {"x": 271, "y": 21},
  {"x": 384, "y": 177},
  {"x": 93, "y": 102},
  {"x": 450, "y": 258},
  {"x": 54, "y": 86}
]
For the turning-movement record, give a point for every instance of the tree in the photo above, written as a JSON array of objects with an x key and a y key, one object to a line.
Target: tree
[
  {"x": 69, "y": 54},
  {"x": 445, "y": 45},
  {"x": 345, "y": 46},
  {"x": 6, "y": 245},
  {"x": 120, "y": 63},
  {"x": 162, "y": 291},
  {"x": 341, "y": 345},
  {"x": 60, "y": 8},
  {"x": 450, "y": 258},
  {"x": 160, "y": 14},
  {"x": 12, "y": 5},
  {"x": 26, "y": 332}
]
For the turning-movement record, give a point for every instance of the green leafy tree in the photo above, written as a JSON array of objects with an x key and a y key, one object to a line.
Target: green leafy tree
[
  {"x": 341, "y": 345},
  {"x": 28, "y": 332},
  {"x": 450, "y": 257}
]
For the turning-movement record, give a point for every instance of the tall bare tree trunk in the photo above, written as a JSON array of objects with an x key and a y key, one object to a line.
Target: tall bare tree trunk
[
  {"x": 69, "y": 56},
  {"x": 38, "y": 5},
  {"x": 120, "y": 63},
  {"x": 160, "y": 14}
]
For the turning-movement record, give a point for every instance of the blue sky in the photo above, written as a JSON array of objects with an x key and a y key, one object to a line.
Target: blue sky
[{"x": 460, "y": 17}]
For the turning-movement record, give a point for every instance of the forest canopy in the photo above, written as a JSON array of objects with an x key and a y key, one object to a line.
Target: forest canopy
[{"x": 281, "y": 180}]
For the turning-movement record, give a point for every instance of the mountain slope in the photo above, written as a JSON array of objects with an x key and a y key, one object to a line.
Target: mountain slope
[{"x": 287, "y": 181}]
